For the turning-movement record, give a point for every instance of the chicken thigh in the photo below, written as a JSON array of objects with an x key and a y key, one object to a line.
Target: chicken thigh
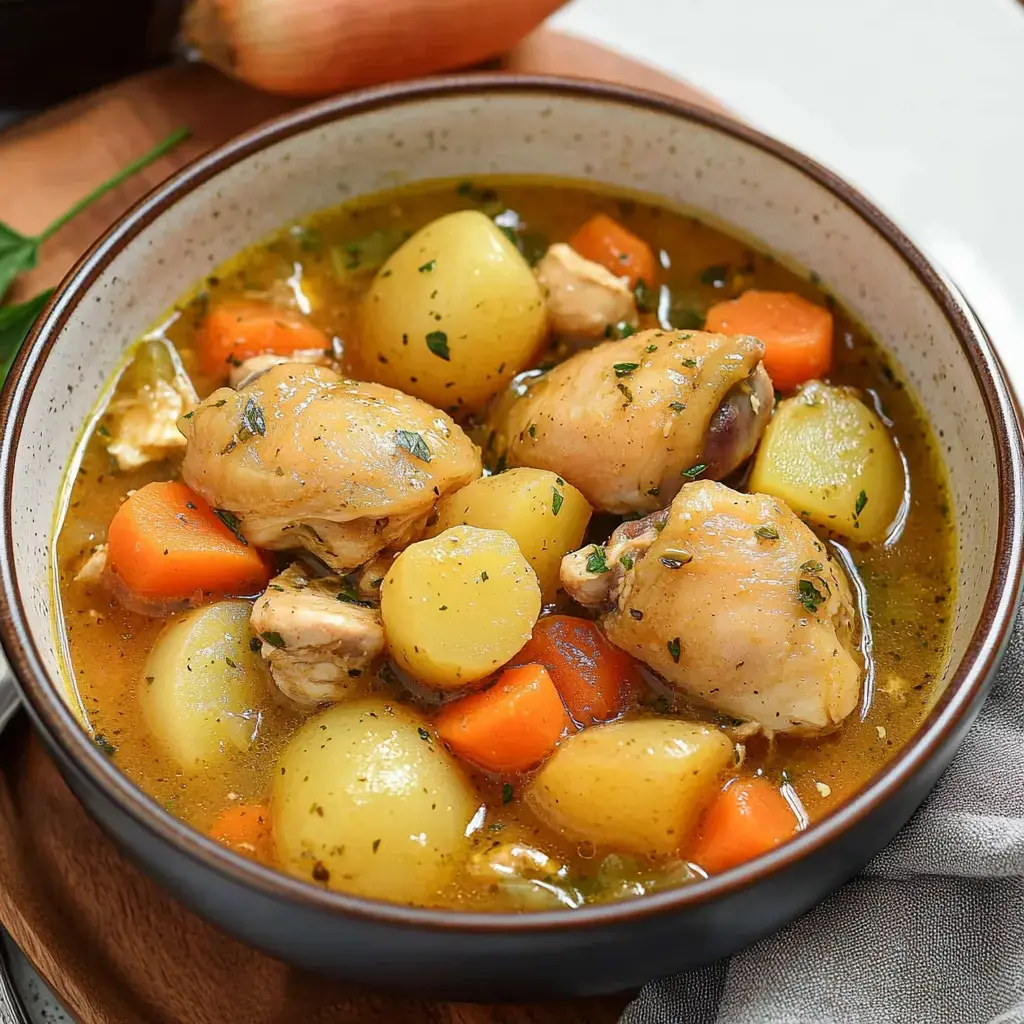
[
  {"x": 304, "y": 458},
  {"x": 734, "y": 601},
  {"x": 628, "y": 422}
]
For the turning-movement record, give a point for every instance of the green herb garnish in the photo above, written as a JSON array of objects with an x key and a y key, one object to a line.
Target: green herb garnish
[
  {"x": 811, "y": 567},
  {"x": 348, "y": 593},
  {"x": 273, "y": 638},
  {"x": 673, "y": 649},
  {"x": 651, "y": 348},
  {"x": 428, "y": 266},
  {"x": 625, "y": 369},
  {"x": 437, "y": 342},
  {"x": 626, "y": 393},
  {"x": 809, "y": 596},
  {"x": 230, "y": 520},
  {"x": 694, "y": 471},
  {"x": 767, "y": 533},
  {"x": 626, "y": 562},
  {"x": 676, "y": 406},
  {"x": 413, "y": 443},
  {"x": 507, "y": 792},
  {"x": 104, "y": 744},
  {"x": 596, "y": 562},
  {"x": 556, "y": 501},
  {"x": 862, "y": 500},
  {"x": 691, "y": 363},
  {"x": 252, "y": 419}
]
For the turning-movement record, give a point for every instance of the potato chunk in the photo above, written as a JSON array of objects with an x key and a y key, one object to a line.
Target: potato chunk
[
  {"x": 633, "y": 787},
  {"x": 204, "y": 686},
  {"x": 366, "y": 801},
  {"x": 546, "y": 516},
  {"x": 458, "y": 606},
  {"x": 453, "y": 315},
  {"x": 831, "y": 459}
]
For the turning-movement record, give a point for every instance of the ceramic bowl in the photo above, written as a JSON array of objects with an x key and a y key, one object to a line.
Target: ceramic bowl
[{"x": 464, "y": 127}]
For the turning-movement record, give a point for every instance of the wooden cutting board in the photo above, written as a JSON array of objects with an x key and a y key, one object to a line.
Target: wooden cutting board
[{"x": 114, "y": 946}]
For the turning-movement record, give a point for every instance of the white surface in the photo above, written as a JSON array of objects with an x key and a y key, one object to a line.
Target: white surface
[{"x": 920, "y": 103}]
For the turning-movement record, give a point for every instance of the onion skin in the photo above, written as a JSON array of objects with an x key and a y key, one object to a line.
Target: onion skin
[{"x": 309, "y": 48}]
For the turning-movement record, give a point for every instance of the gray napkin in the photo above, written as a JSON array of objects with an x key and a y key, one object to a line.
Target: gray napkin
[{"x": 931, "y": 933}]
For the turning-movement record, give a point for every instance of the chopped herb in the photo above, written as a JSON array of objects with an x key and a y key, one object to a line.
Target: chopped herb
[
  {"x": 217, "y": 405},
  {"x": 691, "y": 363},
  {"x": 653, "y": 492},
  {"x": 556, "y": 501},
  {"x": 428, "y": 266},
  {"x": 189, "y": 415},
  {"x": 252, "y": 418},
  {"x": 413, "y": 443},
  {"x": 651, "y": 348},
  {"x": 809, "y": 596},
  {"x": 273, "y": 638},
  {"x": 437, "y": 342},
  {"x": 646, "y": 297},
  {"x": 673, "y": 649},
  {"x": 862, "y": 500},
  {"x": 676, "y": 406},
  {"x": 715, "y": 276},
  {"x": 767, "y": 533},
  {"x": 254, "y": 644},
  {"x": 626, "y": 561},
  {"x": 694, "y": 471},
  {"x": 484, "y": 577},
  {"x": 230, "y": 663},
  {"x": 532, "y": 430},
  {"x": 102, "y": 431},
  {"x": 104, "y": 744},
  {"x": 376, "y": 845},
  {"x": 627, "y": 394},
  {"x": 625, "y": 369},
  {"x": 350, "y": 595},
  {"x": 811, "y": 567},
  {"x": 230, "y": 520},
  {"x": 424, "y": 735},
  {"x": 507, "y": 792},
  {"x": 596, "y": 563}
]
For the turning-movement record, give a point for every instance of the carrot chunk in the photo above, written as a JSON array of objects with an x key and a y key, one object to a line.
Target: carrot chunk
[
  {"x": 238, "y": 330},
  {"x": 246, "y": 829},
  {"x": 749, "y": 817},
  {"x": 797, "y": 334},
  {"x": 166, "y": 543},
  {"x": 510, "y": 727},
  {"x": 617, "y": 249},
  {"x": 596, "y": 680}
]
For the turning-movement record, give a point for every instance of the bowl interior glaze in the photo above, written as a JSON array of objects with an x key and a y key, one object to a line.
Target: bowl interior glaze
[{"x": 342, "y": 149}]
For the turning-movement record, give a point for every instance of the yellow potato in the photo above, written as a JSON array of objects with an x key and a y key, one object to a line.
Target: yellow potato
[
  {"x": 204, "y": 686},
  {"x": 365, "y": 800},
  {"x": 831, "y": 459},
  {"x": 546, "y": 516},
  {"x": 633, "y": 787},
  {"x": 458, "y": 606},
  {"x": 453, "y": 315}
]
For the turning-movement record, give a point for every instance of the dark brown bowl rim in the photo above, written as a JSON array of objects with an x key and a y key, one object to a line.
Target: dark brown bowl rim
[{"x": 51, "y": 713}]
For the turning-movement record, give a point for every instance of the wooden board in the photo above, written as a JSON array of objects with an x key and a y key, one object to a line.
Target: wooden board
[{"x": 114, "y": 947}]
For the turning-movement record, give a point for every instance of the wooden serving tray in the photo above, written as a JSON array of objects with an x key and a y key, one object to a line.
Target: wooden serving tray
[{"x": 115, "y": 947}]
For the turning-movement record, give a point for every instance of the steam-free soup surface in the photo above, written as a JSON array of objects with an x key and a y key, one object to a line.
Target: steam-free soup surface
[{"x": 553, "y": 553}]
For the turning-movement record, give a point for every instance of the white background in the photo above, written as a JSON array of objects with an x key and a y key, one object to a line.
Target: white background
[{"x": 920, "y": 103}]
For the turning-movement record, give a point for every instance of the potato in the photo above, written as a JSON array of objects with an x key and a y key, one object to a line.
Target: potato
[
  {"x": 458, "y": 606},
  {"x": 453, "y": 315},
  {"x": 204, "y": 685},
  {"x": 546, "y": 516},
  {"x": 366, "y": 801},
  {"x": 633, "y": 787},
  {"x": 831, "y": 459}
]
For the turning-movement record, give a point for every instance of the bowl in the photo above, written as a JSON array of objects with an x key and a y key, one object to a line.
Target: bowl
[{"x": 465, "y": 126}]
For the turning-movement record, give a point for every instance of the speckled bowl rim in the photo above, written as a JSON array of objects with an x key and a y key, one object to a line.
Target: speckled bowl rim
[{"x": 968, "y": 682}]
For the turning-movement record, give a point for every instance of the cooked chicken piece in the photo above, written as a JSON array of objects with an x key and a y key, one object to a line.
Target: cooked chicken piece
[
  {"x": 307, "y": 459},
  {"x": 248, "y": 370},
  {"x": 142, "y": 418},
  {"x": 583, "y": 298},
  {"x": 94, "y": 566},
  {"x": 371, "y": 576},
  {"x": 318, "y": 638},
  {"x": 629, "y": 421},
  {"x": 736, "y": 603}
]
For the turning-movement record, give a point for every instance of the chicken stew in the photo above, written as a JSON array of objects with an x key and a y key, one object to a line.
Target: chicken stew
[{"x": 505, "y": 545}]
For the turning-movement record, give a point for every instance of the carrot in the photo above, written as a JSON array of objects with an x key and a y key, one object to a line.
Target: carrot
[
  {"x": 749, "y": 817},
  {"x": 596, "y": 680},
  {"x": 797, "y": 334},
  {"x": 510, "y": 727},
  {"x": 246, "y": 829},
  {"x": 166, "y": 543},
  {"x": 237, "y": 330},
  {"x": 607, "y": 242}
]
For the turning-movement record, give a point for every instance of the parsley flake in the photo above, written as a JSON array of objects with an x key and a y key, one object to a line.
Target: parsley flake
[
  {"x": 691, "y": 363},
  {"x": 230, "y": 520},
  {"x": 676, "y": 406},
  {"x": 597, "y": 563},
  {"x": 627, "y": 394},
  {"x": 694, "y": 471},
  {"x": 252, "y": 419},
  {"x": 507, "y": 792},
  {"x": 767, "y": 533},
  {"x": 413, "y": 443},
  {"x": 437, "y": 342},
  {"x": 556, "y": 501},
  {"x": 626, "y": 561},
  {"x": 811, "y": 567},
  {"x": 273, "y": 638},
  {"x": 809, "y": 596},
  {"x": 350, "y": 595},
  {"x": 862, "y": 500},
  {"x": 428, "y": 266},
  {"x": 625, "y": 369},
  {"x": 104, "y": 744},
  {"x": 651, "y": 348},
  {"x": 673, "y": 649}
]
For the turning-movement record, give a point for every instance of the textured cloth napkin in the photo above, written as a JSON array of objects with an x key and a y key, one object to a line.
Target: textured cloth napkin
[{"x": 931, "y": 933}]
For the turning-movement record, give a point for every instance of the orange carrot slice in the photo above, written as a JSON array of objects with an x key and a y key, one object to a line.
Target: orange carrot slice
[{"x": 607, "y": 242}]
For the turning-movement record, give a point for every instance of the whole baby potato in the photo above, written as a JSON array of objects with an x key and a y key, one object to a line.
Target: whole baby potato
[
  {"x": 452, "y": 315},
  {"x": 458, "y": 606},
  {"x": 366, "y": 801},
  {"x": 546, "y": 516},
  {"x": 204, "y": 685},
  {"x": 632, "y": 787}
]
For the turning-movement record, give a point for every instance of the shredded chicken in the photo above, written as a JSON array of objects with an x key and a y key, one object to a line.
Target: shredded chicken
[
  {"x": 94, "y": 566},
  {"x": 317, "y": 637},
  {"x": 735, "y": 602},
  {"x": 307, "y": 459},
  {"x": 583, "y": 298}
]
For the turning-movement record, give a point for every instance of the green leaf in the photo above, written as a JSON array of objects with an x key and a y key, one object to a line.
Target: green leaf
[
  {"x": 230, "y": 520},
  {"x": 597, "y": 563},
  {"x": 17, "y": 253},
  {"x": 809, "y": 596},
  {"x": 273, "y": 638},
  {"x": 625, "y": 369},
  {"x": 437, "y": 342},
  {"x": 673, "y": 649},
  {"x": 253, "y": 420},
  {"x": 768, "y": 533},
  {"x": 694, "y": 471},
  {"x": 413, "y": 443},
  {"x": 556, "y": 501},
  {"x": 15, "y": 323}
]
